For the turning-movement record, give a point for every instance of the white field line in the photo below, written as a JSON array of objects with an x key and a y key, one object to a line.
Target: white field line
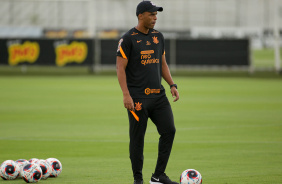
[
  {"x": 127, "y": 141},
  {"x": 228, "y": 127},
  {"x": 156, "y": 141},
  {"x": 179, "y": 129}
]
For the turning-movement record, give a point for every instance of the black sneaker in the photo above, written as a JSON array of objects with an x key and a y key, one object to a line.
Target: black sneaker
[
  {"x": 138, "y": 182},
  {"x": 162, "y": 179}
]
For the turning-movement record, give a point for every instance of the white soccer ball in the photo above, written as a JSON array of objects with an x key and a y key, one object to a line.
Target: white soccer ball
[
  {"x": 21, "y": 163},
  {"x": 191, "y": 176},
  {"x": 46, "y": 169},
  {"x": 56, "y": 166},
  {"x": 34, "y": 160},
  {"x": 9, "y": 170},
  {"x": 31, "y": 173}
]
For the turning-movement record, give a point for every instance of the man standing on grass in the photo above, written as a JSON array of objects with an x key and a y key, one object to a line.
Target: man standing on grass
[{"x": 141, "y": 64}]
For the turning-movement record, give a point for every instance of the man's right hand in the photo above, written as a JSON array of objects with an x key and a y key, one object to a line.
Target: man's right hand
[
  {"x": 128, "y": 102},
  {"x": 121, "y": 66}
]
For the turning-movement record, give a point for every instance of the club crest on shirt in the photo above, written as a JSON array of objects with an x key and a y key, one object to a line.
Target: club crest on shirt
[
  {"x": 155, "y": 40},
  {"x": 119, "y": 44},
  {"x": 138, "y": 106}
]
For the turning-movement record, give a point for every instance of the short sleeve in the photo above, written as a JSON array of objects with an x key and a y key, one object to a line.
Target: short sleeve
[
  {"x": 124, "y": 47},
  {"x": 163, "y": 46}
]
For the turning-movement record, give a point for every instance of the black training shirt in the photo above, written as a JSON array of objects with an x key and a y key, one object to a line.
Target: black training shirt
[{"x": 144, "y": 69}]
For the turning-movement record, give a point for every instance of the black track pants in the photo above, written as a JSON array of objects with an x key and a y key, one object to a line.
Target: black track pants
[{"x": 159, "y": 111}]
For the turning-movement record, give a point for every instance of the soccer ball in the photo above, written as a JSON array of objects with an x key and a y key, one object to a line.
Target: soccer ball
[
  {"x": 34, "y": 160},
  {"x": 21, "y": 163},
  {"x": 46, "y": 169},
  {"x": 31, "y": 173},
  {"x": 9, "y": 170},
  {"x": 56, "y": 166},
  {"x": 191, "y": 176}
]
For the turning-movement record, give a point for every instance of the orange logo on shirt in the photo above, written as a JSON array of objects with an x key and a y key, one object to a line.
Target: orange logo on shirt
[
  {"x": 138, "y": 106},
  {"x": 148, "y": 43},
  {"x": 151, "y": 91},
  {"x": 138, "y": 41},
  {"x": 146, "y": 57},
  {"x": 147, "y": 52},
  {"x": 134, "y": 34},
  {"x": 155, "y": 40},
  {"x": 147, "y": 91}
]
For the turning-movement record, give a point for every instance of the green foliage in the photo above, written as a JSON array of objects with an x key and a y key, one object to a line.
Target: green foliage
[{"x": 229, "y": 129}]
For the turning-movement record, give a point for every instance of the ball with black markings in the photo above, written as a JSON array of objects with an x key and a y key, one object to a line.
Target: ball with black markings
[
  {"x": 9, "y": 170},
  {"x": 46, "y": 169},
  {"x": 56, "y": 166},
  {"x": 21, "y": 163},
  {"x": 31, "y": 173},
  {"x": 191, "y": 176}
]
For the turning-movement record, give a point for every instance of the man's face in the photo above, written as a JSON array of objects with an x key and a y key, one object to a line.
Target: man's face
[{"x": 149, "y": 19}]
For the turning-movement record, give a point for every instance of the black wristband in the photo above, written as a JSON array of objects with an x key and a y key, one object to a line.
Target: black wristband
[{"x": 173, "y": 85}]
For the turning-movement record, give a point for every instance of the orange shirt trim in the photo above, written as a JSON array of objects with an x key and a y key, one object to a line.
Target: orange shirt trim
[{"x": 122, "y": 53}]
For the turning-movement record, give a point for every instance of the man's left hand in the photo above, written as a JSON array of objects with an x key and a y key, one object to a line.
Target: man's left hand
[{"x": 174, "y": 93}]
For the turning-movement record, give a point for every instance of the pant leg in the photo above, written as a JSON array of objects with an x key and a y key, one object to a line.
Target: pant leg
[
  {"x": 137, "y": 132},
  {"x": 162, "y": 117}
]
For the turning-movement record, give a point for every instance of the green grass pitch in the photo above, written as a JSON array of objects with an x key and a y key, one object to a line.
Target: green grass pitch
[{"x": 229, "y": 129}]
